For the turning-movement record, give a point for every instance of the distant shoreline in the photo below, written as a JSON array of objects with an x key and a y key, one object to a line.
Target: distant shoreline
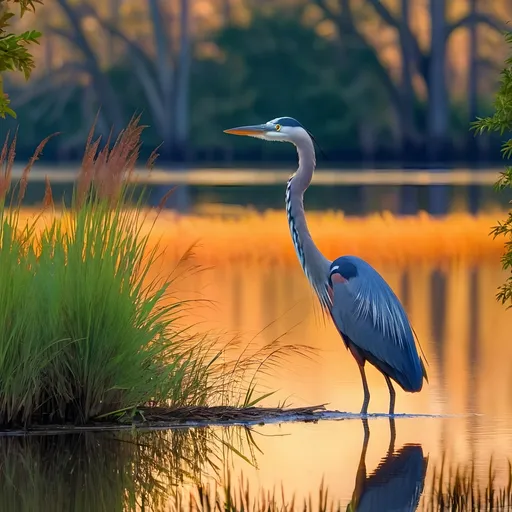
[{"x": 252, "y": 176}]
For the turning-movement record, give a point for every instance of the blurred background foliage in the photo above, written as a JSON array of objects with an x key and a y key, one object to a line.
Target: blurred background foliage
[{"x": 374, "y": 80}]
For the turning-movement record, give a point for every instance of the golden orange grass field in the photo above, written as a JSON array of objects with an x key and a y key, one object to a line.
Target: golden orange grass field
[{"x": 264, "y": 238}]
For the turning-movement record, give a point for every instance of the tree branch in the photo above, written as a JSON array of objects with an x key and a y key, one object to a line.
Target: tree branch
[
  {"x": 346, "y": 26},
  {"x": 41, "y": 87},
  {"x": 325, "y": 7},
  {"x": 102, "y": 86},
  {"x": 419, "y": 57},
  {"x": 477, "y": 17},
  {"x": 144, "y": 68}
]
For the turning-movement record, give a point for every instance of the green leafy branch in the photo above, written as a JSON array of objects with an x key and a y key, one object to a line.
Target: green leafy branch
[
  {"x": 14, "y": 54},
  {"x": 501, "y": 122}
]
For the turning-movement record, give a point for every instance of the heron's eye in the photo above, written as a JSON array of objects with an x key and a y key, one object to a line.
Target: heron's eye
[{"x": 278, "y": 127}]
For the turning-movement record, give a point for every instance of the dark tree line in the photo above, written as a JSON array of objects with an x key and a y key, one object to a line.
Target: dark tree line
[{"x": 278, "y": 64}]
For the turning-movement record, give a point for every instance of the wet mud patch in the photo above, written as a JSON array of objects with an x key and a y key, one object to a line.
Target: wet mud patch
[{"x": 159, "y": 418}]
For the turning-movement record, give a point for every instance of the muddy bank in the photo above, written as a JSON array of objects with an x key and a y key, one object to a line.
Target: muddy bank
[{"x": 158, "y": 418}]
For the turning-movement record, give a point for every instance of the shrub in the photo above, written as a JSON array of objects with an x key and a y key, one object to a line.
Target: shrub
[
  {"x": 14, "y": 55},
  {"x": 501, "y": 122}
]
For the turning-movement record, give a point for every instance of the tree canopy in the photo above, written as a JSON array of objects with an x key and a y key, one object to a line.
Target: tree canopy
[
  {"x": 357, "y": 73},
  {"x": 14, "y": 54}
]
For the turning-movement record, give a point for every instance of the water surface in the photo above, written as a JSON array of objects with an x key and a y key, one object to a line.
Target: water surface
[
  {"x": 355, "y": 191},
  {"x": 463, "y": 331}
]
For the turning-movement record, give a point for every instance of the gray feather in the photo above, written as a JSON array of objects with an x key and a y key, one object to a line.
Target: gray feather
[{"x": 366, "y": 310}]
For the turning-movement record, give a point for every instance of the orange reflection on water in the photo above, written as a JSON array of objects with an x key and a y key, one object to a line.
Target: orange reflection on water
[
  {"x": 463, "y": 331},
  {"x": 445, "y": 271}
]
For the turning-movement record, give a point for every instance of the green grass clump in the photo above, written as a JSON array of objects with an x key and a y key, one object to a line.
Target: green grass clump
[{"x": 86, "y": 332}]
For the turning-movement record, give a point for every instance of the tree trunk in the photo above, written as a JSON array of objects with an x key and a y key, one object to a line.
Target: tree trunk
[
  {"x": 164, "y": 69},
  {"x": 181, "y": 104},
  {"x": 348, "y": 32},
  {"x": 226, "y": 12},
  {"x": 114, "y": 6},
  {"x": 407, "y": 125},
  {"x": 103, "y": 89},
  {"x": 473, "y": 142},
  {"x": 438, "y": 114}
]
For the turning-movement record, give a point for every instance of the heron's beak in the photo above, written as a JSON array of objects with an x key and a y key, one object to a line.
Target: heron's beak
[{"x": 251, "y": 131}]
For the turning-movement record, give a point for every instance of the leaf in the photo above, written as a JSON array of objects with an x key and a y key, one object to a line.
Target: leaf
[
  {"x": 11, "y": 112},
  {"x": 14, "y": 55},
  {"x": 501, "y": 122}
]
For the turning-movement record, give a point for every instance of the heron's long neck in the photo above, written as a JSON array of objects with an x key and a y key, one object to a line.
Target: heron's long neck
[{"x": 313, "y": 262}]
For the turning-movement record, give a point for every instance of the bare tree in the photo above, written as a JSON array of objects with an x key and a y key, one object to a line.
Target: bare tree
[
  {"x": 164, "y": 79},
  {"x": 181, "y": 105},
  {"x": 350, "y": 36},
  {"x": 408, "y": 127},
  {"x": 430, "y": 65},
  {"x": 438, "y": 102},
  {"x": 226, "y": 12},
  {"x": 113, "y": 13},
  {"x": 103, "y": 89},
  {"x": 473, "y": 76}
]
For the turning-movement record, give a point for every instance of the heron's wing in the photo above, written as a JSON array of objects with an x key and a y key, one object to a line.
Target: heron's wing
[{"x": 366, "y": 310}]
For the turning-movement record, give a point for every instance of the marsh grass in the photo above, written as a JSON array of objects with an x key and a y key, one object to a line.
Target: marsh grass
[
  {"x": 460, "y": 491},
  {"x": 380, "y": 238},
  {"x": 86, "y": 330}
]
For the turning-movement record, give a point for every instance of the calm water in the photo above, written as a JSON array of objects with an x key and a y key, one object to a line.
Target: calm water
[
  {"x": 463, "y": 331},
  {"x": 356, "y": 192}
]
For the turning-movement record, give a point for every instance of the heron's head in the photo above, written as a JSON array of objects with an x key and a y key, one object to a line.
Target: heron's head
[
  {"x": 281, "y": 129},
  {"x": 342, "y": 271}
]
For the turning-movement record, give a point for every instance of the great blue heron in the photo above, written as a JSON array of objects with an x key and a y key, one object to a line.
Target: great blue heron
[{"x": 363, "y": 307}]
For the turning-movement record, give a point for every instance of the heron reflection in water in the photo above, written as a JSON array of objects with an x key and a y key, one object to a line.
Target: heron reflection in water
[
  {"x": 397, "y": 482},
  {"x": 368, "y": 315}
]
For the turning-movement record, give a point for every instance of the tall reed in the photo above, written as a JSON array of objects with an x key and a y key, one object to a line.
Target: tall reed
[{"x": 86, "y": 330}]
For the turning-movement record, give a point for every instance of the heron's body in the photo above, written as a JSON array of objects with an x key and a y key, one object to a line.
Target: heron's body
[
  {"x": 373, "y": 323},
  {"x": 368, "y": 315}
]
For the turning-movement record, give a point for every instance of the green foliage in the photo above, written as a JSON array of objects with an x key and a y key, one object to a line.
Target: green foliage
[
  {"x": 86, "y": 328},
  {"x": 277, "y": 64},
  {"x": 501, "y": 122},
  {"x": 14, "y": 55},
  {"x": 81, "y": 332}
]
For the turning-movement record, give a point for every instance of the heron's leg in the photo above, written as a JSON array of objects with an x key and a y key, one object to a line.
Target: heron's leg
[
  {"x": 366, "y": 401},
  {"x": 392, "y": 437},
  {"x": 392, "y": 395},
  {"x": 360, "y": 360}
]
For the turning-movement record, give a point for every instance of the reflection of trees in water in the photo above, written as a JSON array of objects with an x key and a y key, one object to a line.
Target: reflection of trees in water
[
  {"x": 473, "y": 318},
  {"x": 110, "y": 471},
  {"x": 179, "y": 199},
  {"x": 438, "y": 309}
]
